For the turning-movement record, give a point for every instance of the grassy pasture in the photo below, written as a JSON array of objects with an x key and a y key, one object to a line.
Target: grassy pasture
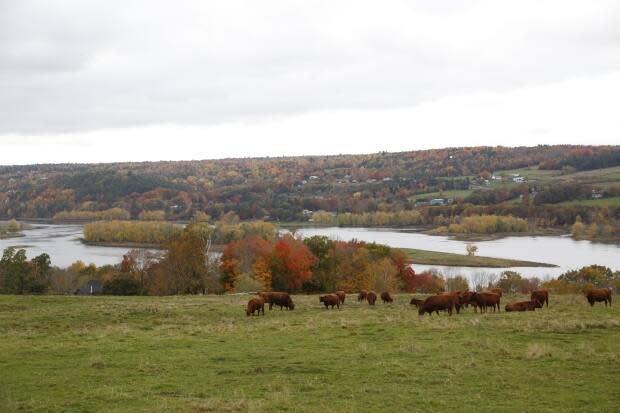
[{"x": 202, "y": 354}]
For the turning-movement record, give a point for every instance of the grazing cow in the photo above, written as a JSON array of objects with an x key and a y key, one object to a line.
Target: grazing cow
[
  {"x": 330, "y": 300},
  {"x": 278, "y": 298},
  {"x": 540, "y": 295},
  {"x": 341, "y": 296},
  {"x": 371, "y": 297},
  {"x": 599, "y": 294},
  {"x": 416, "y": 302},
  {"x": 465, "y": 299},
  {"x": 386, "y": 297},
  {"x": 484, "y": 300},
  {"x": 362, "y": 295},
  {"x": 523, "y": 306},
  {"x": 436, "y": 303},
  {"x": 256, "y": 304}
]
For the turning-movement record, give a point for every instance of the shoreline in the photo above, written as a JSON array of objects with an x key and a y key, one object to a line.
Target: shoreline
[{"x": 448, "y": 259}]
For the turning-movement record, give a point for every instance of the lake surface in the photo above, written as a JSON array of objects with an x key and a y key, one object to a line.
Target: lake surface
[
  {"x": 62, "y": 243},
  {"x": 562, "y": 251}
]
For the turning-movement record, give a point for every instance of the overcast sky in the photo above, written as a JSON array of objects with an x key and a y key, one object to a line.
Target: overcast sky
[{"x": 100, "y": 81}]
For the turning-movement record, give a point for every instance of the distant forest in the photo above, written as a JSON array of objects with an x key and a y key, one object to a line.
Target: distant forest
[{"x": 292, "y": 188}]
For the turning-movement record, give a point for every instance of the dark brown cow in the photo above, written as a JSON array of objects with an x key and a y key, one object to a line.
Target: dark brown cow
[
  {"x": 278, "y": 298},
  {"x": 540, "y": 295},
  {"x": 454, "y": 295},
  {"x": 599, "y": 294},
  {"x": 386, "y": 297},
  {"x": 465, "y": 299},
  {"x": 362, "y": 295},
  {"x": 416, "y": 302},
  {"x": 330, "y": 300},
  {"x": 437, "y": 303},
  {"x": 371, "y": 297},
  {"x": 484, "y": 300},
  {"x": 523, "y": 306},
  {"x": 341, "y": 296},
  {"x": 257, "y": 305}
]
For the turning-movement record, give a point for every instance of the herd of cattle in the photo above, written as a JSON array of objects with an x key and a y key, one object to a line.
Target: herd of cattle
[{"x": 445, "y": 301}]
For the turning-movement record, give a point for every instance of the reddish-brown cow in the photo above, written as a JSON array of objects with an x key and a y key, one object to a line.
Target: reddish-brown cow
[
  {"x": 437, "y": 303},
  {"x": 416, "y": 302},
  {"x": 362, "y": 295},
  {"x": 257, "y": 305},
  {"x": 484, "y": 300},
  {"x": 278, "y": 298},
  {"x": 386, "y": 297},
  {"x": 371, "y": 297},
  {"x": 523, "y": 306},
  {"x": 330, "y": 300},
  {"x": 540, "y": 295},
  {"x": 599, "y": 295},
  {"x": 341, "y": 296}
]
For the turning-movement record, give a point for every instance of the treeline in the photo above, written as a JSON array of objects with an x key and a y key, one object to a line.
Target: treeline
[
  {"x": 368, "y": 219},
  {"x": 105, "y": 215},
  {"x": 140, "y": 232},
  {"x": 225, "y": 230},
  {"x": 18, "y": 275},
  {"x": 484, "y": 224},
  {"x": 277, "y": 189}
]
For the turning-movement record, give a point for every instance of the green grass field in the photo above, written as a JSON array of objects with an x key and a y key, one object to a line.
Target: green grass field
[
  {"x": 202, "y": 354},
  {"x": 460, "y": 260}
]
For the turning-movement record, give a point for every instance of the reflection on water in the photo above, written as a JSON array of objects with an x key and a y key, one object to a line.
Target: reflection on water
[
  {"x": 62, "y": 243},
  {"x": 562, "y": 251}
]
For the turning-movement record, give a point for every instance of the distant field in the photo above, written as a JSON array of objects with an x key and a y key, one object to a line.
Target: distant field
[
  {"x": 460, "y": 260},
  {"x": 202, "y": 354},
  {"x": 458, "y": 193},
  {"x": 598, "y": 202}
]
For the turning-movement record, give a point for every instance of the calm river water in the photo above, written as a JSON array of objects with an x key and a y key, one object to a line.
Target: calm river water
[{"x": 62, "y": 243}]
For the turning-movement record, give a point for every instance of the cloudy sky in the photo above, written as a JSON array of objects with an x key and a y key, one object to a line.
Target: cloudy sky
[{"x": 100, "y": 81}]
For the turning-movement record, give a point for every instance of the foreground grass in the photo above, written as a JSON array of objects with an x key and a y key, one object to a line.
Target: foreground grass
[
  {"x": 459, "y": 260},
  {"x": 202, "y": 354}
]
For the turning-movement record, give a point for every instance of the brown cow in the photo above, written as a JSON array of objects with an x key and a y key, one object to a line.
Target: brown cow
[
  {"x": 362, "y": 295},
  {"x": 257, "y": 305},
  {"x": 599, "y": 294},
  {"x": 483, "y": 300},
  {"x": 465, "y": 299},
  {"x": 523, "y": 306},
  {"x": 330, "y": 300},
  {"x": 454, "y": 295},
  {"x": 371, "y": 297},
  {"x": 341, "y": 296},
  {"x": 416, "y": 302},
  {"x": 540, "y": 295},
  {"x": 436, "y": 303},
  {"x": 278, "y": 298},
  {"x": 386, "y": 297}
]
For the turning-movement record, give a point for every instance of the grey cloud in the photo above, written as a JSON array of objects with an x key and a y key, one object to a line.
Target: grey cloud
[{"x": 78, "y": 66}]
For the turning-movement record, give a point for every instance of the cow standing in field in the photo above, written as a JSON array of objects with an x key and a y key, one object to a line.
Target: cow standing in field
[
  {"x": 362, "y": 295},
  {"x": 341, "y": 296},
  {"x": 599, "y": 295},
  {"x": 465, "y": 299},
  {"x": 257, "y": 305},
  {"x": 540, "y": 295},
  {"x": 437, "y": 303},
  {"x": 330, "y": 300},
  {"x": 484, "y": 300},
  {"x": 523, "y": 306},
  {"x": 371, "y": 297},
  {"x": 278, "y": 298},
  {"x": 386, "y": 297}
]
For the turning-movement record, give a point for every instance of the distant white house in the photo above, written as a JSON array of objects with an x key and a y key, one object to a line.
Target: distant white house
[
  {"x": 438, "y": 201},
  {"x": 518, "y": 179},
  {"x": 496, "y": 177},
  {"x": 313, "y": 177}
]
